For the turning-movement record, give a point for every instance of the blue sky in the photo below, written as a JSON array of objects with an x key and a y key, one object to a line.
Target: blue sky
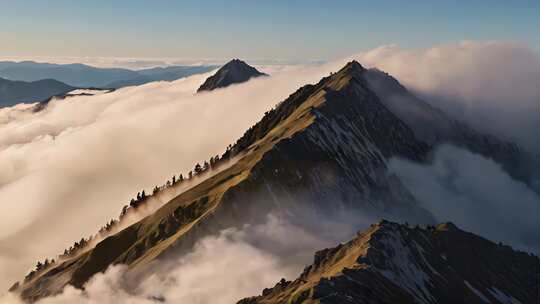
[{"x": 254, "y": 29}]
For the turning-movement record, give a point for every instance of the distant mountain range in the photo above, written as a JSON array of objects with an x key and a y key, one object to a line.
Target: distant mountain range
[
  {"x": 324, "y": 151},
  {"x": 84, "y": 76},
  {"x": 235, "y": 71},
  {"x": 392, "y": 263},
  {"x": 14, "y": 92}
]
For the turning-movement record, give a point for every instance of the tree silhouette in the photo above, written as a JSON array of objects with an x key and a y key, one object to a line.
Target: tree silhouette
[
  {"x": 124, "y": 211},
  {"x": 198, "y": 168}
]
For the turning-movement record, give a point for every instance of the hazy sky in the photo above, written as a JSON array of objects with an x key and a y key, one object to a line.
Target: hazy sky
[{"x": 253, "y": 29}]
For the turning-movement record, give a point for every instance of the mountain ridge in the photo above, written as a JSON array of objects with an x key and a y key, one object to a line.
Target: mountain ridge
[
  {"x": 393, "y": 263},
  {"x": 13, "y": 92},
  {"x": 322, "y": 149},
  {"x": 82, "y": 75}
]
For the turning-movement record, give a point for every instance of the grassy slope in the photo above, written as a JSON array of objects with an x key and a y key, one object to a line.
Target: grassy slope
[{"x": 142, "y": 242}]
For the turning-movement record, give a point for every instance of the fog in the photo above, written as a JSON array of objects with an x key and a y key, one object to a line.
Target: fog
[
  {"x": 221, "y": 269},
  {"x": 493, "y": 86},
  {"x": 69, "y": 169},
  {"x": 476, "y": 194}
]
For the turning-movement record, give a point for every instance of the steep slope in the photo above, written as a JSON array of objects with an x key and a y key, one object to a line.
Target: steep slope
[
  {"x": 235, "y": 71},
  {"x": 13, "y": 92},
  {"x": 392, "y": 263},
  {"x": 322, "y": 150},
  {"x": 433, "y": 126}
]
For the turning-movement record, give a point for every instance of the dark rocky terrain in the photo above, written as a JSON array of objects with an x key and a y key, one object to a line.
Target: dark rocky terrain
[
  {"x": 393, "y": 263},
  {"x": 235, "y": 71},
  {"x": 322, "y": 151}
]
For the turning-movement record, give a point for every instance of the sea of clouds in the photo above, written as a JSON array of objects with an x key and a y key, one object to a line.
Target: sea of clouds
[{"x": 67, "y": 170}]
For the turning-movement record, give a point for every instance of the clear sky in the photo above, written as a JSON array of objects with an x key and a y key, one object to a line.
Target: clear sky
[{"x": 254, "y": 29}]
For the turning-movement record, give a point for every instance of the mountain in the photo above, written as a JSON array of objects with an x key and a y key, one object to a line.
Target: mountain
[
  {"x": 77, "y": 75},
  {"x": 160, "y": 74},
  {"x": 235, "y": 71},
  {"x": 81, "y": 75},
  {"x": 434, "y": 127},
  {"x": 13, "y": 92},
  {"x": 321, "y": 152},
  {"x": 392, "y": 263}
]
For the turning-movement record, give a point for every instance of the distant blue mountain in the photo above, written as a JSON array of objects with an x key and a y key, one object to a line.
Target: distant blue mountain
[
  {"x": 81, "y": 75},
  {"x": 161, "y": 74},
  {"x": 14, "y": 92}
]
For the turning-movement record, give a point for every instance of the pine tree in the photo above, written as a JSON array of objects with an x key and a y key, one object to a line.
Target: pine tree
[
  {"x": 124, "y": 211},
  {"x": 174, "y": 179},
  {"x": 198, "y": 168}
]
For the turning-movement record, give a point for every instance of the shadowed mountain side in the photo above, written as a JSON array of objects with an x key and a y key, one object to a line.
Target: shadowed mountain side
[
  {"x": 392, "y": 263},
  {"x": 434, "y": 127}
]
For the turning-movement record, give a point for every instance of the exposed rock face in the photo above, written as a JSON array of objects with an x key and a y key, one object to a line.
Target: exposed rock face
[
  {"x": 322, "y": 150},
  {"x": 433, "y": 126},
  {"x": 392, "y": 263},
  {"x": 235, "y": 71}
]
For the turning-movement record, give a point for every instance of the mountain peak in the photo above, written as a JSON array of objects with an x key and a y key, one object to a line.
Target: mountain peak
[
  {"x": 449, "y": 226},
  {"x": 354, "y": 65},
  {"x": 394, "y": 263},
  {"x": 352, "y": 68},
  {"x": 234, "y": 71}
]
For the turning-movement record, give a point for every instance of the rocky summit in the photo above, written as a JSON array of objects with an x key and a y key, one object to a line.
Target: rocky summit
[
  {"x": 393, "y": 263},
  {"x": 235, "y": 71}
]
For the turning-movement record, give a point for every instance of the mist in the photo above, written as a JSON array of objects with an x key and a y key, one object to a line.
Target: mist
[
  {"x": 492, "y": 86},
  {"x": 222, "y": 268},
  {"x": 67, "y": 170},
  {"x": 476, "y": 194}
]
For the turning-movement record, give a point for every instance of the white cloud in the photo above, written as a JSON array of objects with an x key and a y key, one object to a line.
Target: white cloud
[
  {"x": 493, "y": 86},
  {"x": 67, "y": 170},
  {"x": 220, "y": 269},
  {"x": 476, "y": 194}
]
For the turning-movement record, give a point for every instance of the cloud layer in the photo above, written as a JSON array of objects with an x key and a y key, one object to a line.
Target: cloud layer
[
  {"x": 221, "y": 269},
  {"x": 493, "y": 86},
  {"x": 476, "y": 194},
  {"x": 69, "y": 169}
]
